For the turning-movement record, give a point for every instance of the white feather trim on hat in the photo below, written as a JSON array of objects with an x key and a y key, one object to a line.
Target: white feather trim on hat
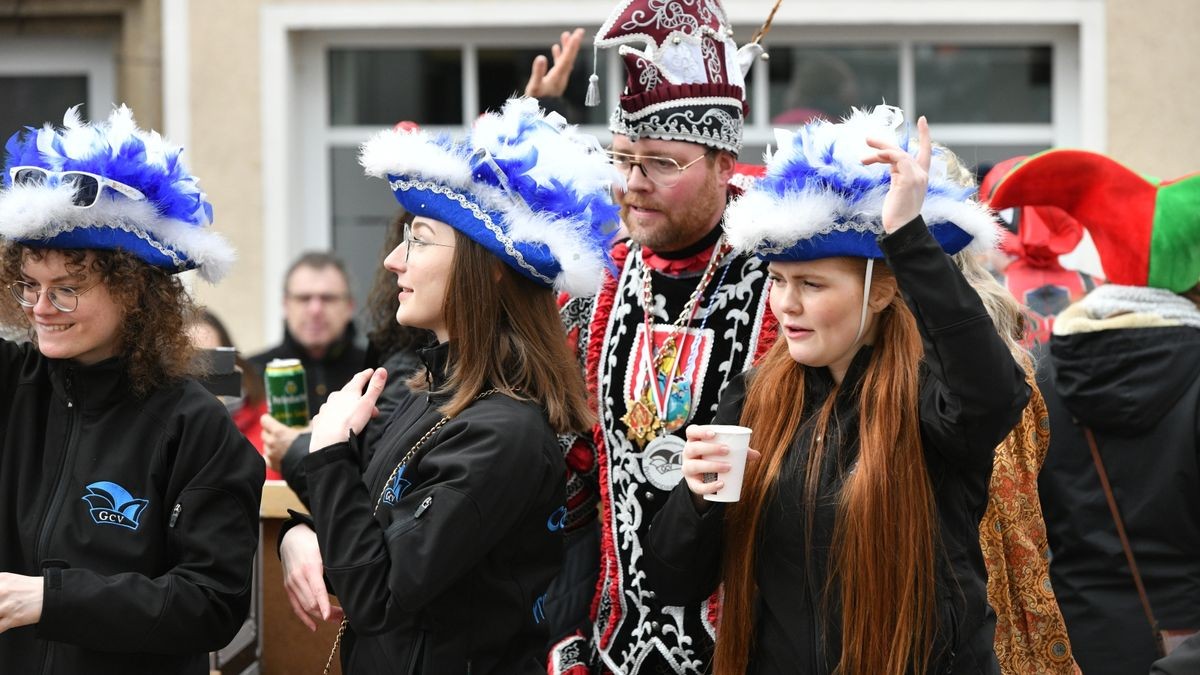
[
  {"x": 816, "y": 183},
  {"x": 33, "y": 212},
  {"x": 397, "y": 152},
  {"x": 539, "y": 174},
  {"x": 173, "y": 220}
]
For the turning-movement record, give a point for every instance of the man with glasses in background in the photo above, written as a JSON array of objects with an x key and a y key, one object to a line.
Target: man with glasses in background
[
  {"x": 660, "y": 342},
  {"x": 317, "y": 309}
]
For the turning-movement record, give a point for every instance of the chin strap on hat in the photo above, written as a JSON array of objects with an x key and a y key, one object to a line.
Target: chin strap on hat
[{"x": 862, "y": 318}]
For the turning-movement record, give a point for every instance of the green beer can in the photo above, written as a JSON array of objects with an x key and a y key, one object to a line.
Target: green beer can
[{"x": 287, "y": 392}]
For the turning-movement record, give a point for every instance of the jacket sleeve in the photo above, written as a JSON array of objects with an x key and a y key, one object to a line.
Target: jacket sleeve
[
  {"x": 292, "y": 467},
  {"x": 974, "y": 390},
  {"x": 1184, "y": 659},
  {"x": 478, "y": 479},
  {"x": 211, "y": 528},
  {"x": 683, "y": 552},
  {"x": 14, "y": 358}
]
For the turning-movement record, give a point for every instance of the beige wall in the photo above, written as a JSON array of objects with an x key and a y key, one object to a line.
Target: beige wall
[
  {"x": 1153, "y": 97},
  {"x": 226, "y": 151},
  {"x": 226, "y": 142}
]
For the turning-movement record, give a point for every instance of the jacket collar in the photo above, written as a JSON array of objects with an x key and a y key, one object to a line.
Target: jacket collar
[
  {"x": 818, "y": 382},
  {"x": 89, "y": 387},
  {"x": 436, "y": 357},
  {"x": 336, "y": 350}
]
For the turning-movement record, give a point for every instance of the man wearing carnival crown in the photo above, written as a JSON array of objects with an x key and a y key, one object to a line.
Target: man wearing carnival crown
[{"x": 679, "y": 319}]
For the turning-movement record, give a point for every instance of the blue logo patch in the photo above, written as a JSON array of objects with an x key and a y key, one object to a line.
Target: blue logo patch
[
  {"x": 539, "y": 609},
  {"x": 112, "y": 504},
  {"x": 396, "y": 489},
  {"x": 557, "y": 520}
]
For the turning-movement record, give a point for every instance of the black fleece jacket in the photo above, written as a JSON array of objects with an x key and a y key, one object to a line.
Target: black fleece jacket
[
  {"x": 972, "y": 392},
  {"x": 449, "y": 575},
  {"x": 141, "y": 514}
]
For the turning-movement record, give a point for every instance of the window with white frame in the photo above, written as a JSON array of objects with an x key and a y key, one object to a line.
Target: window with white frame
[
  {"x": 989, "y": 92},
  {"x": 40, "y": 77}
]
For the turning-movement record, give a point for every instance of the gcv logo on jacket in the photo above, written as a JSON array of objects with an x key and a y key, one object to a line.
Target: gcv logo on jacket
[
  {"x": 396, "y": 488},
  {"x": 112, "y": 504}
]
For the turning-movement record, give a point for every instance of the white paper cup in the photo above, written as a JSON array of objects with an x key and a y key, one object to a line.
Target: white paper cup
[{"x": 738, "y": 441}]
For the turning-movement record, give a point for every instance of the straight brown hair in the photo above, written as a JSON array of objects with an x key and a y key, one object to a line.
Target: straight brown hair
[
  {"x": 505, "y": 333},
  {"x": 883, "y": 541}
]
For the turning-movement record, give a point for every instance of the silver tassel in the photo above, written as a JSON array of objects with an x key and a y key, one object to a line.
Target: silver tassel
[{"x": 592, "y": 99}]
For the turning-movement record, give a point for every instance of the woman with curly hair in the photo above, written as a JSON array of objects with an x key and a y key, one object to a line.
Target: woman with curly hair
[{"x": 128, "y": 498}]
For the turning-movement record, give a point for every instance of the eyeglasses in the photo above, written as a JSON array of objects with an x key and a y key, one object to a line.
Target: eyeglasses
[
  {"x": 664, "y": 172},
  {"x": 323, "y": 298},
  {"x": 87, "y": 186},
  {"x": 64, "y": 298},
  {"x": 412, "y": 242}
]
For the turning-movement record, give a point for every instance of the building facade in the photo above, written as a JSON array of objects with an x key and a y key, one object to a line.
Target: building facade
[{"x": 272, "y": 97}]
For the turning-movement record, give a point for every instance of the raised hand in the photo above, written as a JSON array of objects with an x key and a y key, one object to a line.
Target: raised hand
[
  {"x": 910, "y": 177},
  {"x": 547, "y": 81},
  {"x": 347, "y": 409}
]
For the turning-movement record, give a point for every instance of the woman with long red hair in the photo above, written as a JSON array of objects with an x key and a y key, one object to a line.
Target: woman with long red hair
[{"x": 854, "y": 548}]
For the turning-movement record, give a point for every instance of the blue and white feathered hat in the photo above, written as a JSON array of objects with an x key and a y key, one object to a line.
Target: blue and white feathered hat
[
  {"x": 525, "y": 185},
  {"x": 818, "y": 200},
  {"x": 170, "y": 228}
]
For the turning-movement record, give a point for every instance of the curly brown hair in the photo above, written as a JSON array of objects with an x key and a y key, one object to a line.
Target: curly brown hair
[{"x": 154, "y": 344}]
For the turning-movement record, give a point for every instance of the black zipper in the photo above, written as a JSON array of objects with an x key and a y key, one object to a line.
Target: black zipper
[
  {"x": 51, "y": 507},
  {"x": 418, "y": 652},
  {"x": 59, "y": 484},
  {"x": 47, "y": 655}
]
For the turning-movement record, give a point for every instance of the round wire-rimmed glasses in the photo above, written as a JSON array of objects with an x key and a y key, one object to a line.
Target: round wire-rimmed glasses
[
  {"x": 410, "y": 242},
  {"x": 64, "y": 298},
  {"x": 665, "y": 172}
]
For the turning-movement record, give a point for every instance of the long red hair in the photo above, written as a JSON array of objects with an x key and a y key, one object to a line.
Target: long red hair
[{"x": 883, "y": 541}]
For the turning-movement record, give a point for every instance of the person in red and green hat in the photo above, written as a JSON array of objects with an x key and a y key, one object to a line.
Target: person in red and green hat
[{"x": 1123, "y": 375}]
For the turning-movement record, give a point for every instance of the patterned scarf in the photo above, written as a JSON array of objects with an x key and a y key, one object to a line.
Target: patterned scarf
[{"x": 1031, "y": 637}]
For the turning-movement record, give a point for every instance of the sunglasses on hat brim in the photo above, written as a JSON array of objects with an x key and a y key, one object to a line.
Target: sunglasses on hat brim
[{"x": 88, "y": 186}]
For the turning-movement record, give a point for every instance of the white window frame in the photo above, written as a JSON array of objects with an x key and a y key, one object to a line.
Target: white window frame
[
  {"x": 297, "y": 136},
  {"x": 53, "y": 56}
]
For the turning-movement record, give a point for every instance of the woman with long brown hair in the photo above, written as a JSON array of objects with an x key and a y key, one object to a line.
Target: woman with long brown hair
[
  {"x": 854, "y": 547},
  {"x": 441, "y": 538}
]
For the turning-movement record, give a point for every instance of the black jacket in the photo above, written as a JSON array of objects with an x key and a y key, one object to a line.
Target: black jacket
[
  {"x": 972, "y": 392},
  {"x": 448, "y": 577},
  {"x": 1185, "y": 660},
  {"x": 1139, "y": 391},
  {"x": 140, "y": 513},
  {"x": 400, "y": 365}
]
